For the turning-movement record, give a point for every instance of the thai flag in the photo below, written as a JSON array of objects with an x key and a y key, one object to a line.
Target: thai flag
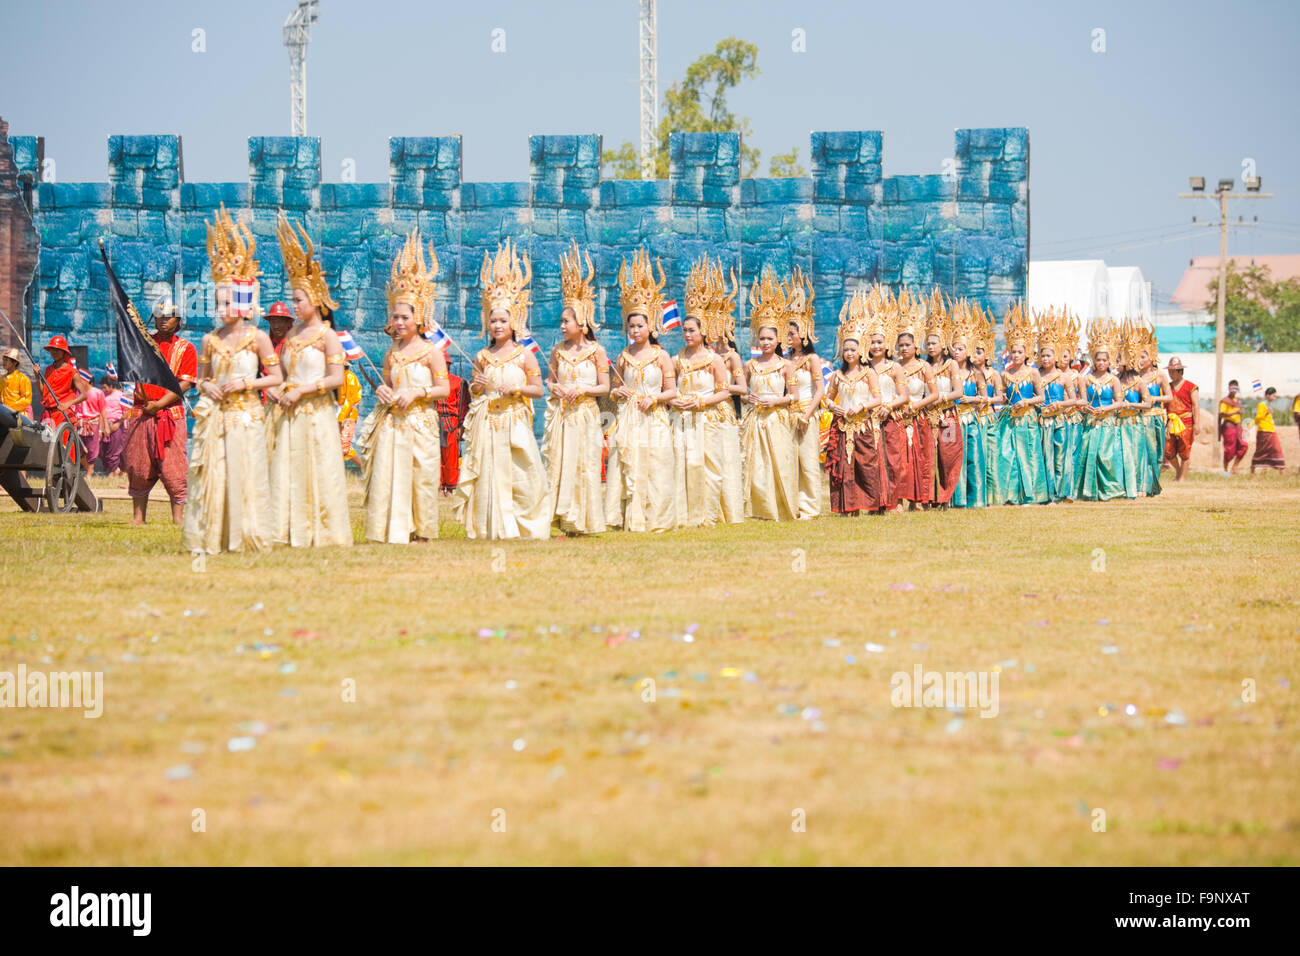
[
  {"x": 245, "y": 292},
  {"x": 755, "y": 351},
  {"x": 530, "y": 343},
  {"x": 83, "y": 373},
  {"x": 826, "y": 374},
  {"x": 127, "y": 401},
  {"x": 350, "y": 347},
  {"x": 672, "y": 318},
  {"x": 1257, "y": 386},
  {"x": 438, "y": 337},
  {"x": 110, "y": 369}
]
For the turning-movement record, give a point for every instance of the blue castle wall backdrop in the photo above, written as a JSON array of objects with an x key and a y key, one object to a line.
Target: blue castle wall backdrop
[{"x": 965, "y": 230}]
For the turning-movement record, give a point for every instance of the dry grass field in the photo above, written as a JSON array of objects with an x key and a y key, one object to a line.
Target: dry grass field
[{"x": 500, "y": 709}]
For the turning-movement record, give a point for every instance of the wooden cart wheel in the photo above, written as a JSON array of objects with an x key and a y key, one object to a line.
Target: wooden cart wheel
[{"x": 63, "y": 463}]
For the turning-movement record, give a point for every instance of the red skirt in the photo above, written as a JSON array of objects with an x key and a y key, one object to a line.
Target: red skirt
[
  {"x": 857, "y": 470},
  {"x": 920, "y": 461},
  {"x": 950, "y": 454},
  {"x": 1268, "y": 451},
  {"x": 897, "y": 469}
]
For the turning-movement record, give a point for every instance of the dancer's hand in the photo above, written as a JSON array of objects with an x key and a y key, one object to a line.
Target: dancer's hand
[{"x": 385, "y": 395}]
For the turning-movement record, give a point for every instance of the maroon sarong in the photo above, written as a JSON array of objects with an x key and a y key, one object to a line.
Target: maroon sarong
[
  {"x": 143, "y": 464},
  {"x": 1234, "y": 449},
  {"x": 1268, "y": 451},
  {"x": 920, "y": 461},
  {"x": 856, "y": 469},
  {"x": 951, "y": 453},
  {"x": 897, "y": 469}
]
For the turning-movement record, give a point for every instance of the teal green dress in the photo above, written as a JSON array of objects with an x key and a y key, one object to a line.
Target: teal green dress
[
  {"x": 970, "y": 491},
  {"x": 1153, "y": 431},
  {"x": 988, "y": 422},
  {"x": 1058, "y": 452},
  {"x": 1099, "y": 453},
  {"x": 1132, "y": 443},
  {"x": 1020, "y": 448}
]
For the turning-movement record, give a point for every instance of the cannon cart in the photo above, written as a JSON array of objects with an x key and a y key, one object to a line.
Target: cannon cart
[{"x": 28, "y": 448}]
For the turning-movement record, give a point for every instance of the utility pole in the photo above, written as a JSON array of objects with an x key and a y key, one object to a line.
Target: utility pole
[
  {"x": 1222, "y": 194},
  {"x": 297, "y": 33},
  {"x": 648, "y": 46}
]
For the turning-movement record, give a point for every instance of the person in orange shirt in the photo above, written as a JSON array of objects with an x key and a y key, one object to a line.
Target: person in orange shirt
[
  {"x": 15, "y": 386},
  {"x": 66, "y": 389},
  {"x": 349, "y": 395},
  {"x": 1268, "y": 450},
  {"x": 1234, "y": 446}
]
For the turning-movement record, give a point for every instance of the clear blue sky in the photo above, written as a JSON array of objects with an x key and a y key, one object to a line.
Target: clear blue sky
[{"x": 1182, "y": 88}]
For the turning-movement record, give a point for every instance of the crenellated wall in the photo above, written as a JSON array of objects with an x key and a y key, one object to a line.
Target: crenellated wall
[{"x": 966, "y": 230}]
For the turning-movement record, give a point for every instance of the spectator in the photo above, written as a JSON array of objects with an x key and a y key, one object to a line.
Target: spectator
[
  {"x": 15, "y": 386},
  {"x": 1268, "y": 450}
]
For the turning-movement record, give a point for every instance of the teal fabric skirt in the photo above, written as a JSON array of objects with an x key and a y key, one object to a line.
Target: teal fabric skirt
[
  {"x": 988, "y": 425},
  {"x": 1153, "y": 430},
  {"x": 1132, "y": 453},
  {"x": 970, "y": 491},
  {"x": 1099, "y": 460},
  {"x": 1020, "y": 459},
  {"x": 1058, "y": 453}
]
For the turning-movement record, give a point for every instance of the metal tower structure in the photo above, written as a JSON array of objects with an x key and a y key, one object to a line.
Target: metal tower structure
[
  {"x": 648, "y": 45},
  {"x": 297, "y": 32}
]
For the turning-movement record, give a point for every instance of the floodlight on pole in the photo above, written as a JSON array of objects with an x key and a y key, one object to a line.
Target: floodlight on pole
[{"x": 297, "y": 33}]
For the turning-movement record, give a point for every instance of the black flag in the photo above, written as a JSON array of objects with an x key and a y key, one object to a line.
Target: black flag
[{"x": 139, "y": 359}]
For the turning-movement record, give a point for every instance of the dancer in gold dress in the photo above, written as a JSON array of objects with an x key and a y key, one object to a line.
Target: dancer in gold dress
[
  {"x": 809, "y": 391},
  {"x": 767, "y": 433},
  {"x": 720, "y": 333},
  {"x": 228, "y": 506},
  {"x": 579, "y": 374},
  {"x": 640, "y": 485},
  {"x": 503, "y": 490},
  {"x": 699, "y": 413},
  {"x": 309, "y": 499},
  {"x": 398, "y": 444}
]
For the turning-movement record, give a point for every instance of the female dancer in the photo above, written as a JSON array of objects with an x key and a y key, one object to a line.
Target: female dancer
[
  {"x": 1098, "y": 478},
  {"x": 811, "y": 388},
  {"x": 639, "y": 476},
  {"x": 1057, "y": 404},
  {"x": 579, "y": 374},
  {"x": 922, "y": 392},
  {"x": 968, "y": 381},
  {"x": 1024, "y": 471},
  {"x": 855, "y": 457},
  {"x": 309, "y": 499},
  {"x": 398, "y": 444},
  {"x": 1073, "y": 405},
  {"x": 228, "y": 501},
  {"x": 503, "y": 491},
  {"x": 720, "y": 333},
  {"x": 989, "y": 406},
  {"x": 1132, "y": 435},
  {"x": 766, "y": 433},
  {"x": 697, "y": 418},
  {"x": 950, "y": 450},
  {"x": 879, "y": 331},
  {"x": 1156, "y": 387}
]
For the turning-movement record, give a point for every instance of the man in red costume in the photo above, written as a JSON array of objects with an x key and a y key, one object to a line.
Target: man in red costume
[
  {"x": 451, "y": 420},
  {"x": 1185, "y": 406},
  {"x": 66, "y": 388},
  {"x": 155, "y": 437}
]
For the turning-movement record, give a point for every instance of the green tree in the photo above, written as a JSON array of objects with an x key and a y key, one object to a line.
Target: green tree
[
  {"x": 698, "y": 104},
  {"x": 1259, "y": 315},
  {"x": 786, "y": 164}
]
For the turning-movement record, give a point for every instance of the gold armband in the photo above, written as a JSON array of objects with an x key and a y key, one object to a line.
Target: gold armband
[
  {"x": 335, "y": 359},
  {"x": 271, "y": 359},
  {"x": 440, "y": 377}
]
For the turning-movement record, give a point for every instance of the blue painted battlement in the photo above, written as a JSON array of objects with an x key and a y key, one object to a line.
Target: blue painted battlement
[{"x": 965, "y": 230}]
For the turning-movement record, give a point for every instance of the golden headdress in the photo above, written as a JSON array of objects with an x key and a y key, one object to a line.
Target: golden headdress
[
  {"x": 938, "y": 319},
  {"x": 855, "y": 319},
  {"x": 984, "y": 329},
  {"x": 909, "y": 316},
  {"x": 411, "y": 282},
  {"x": 1146, "y": 342},
  {"x": 639, "y": 292},
  {"x": 504, "y": 285},
  {"x": 963, "y": 326},
  {"x": 1133, "y": 341},
  {"x": 766, "y": 303},
  {"x": 1018, "y": 329},
  {"x": 699, "y": 290},
  {"x": 799, "y": 296},
  {"x": 1051, "y": 328},
  {"x": 1104, "y": 336},
  {"x": 878, "y": 315},
  {"x": 1069, "y": 337},
  {"x": 230, "y": 250},
  {"x": 578, "y": 293},
  {"x": 302, "y": 271},
  {"x": 720, "y": 317}
]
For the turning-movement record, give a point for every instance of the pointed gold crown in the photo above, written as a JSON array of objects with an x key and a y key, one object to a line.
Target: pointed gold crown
[
  {"x": 938, "y": 319},
  {"x": 856, "y": 321},
  {"x": 230, "y": 249},
  {"x": 1104, "y": 336},
  {"x": 720, "y": 317},
  {"x": 1050, "y": 329},
  {"x": 963, "y": 326},
  {"x": 1018, "y": 329},
  {"x": 799, "y": 296},
  {"x": 411, "y": 282},
  {"x": 1145, "y": 341},
  {"x": 1133, "y": 335},
  {"x": 878, "y": 314},
  {"x": 639, "y": 292},
  {"x": 504, "y": 285},
  {"x": 302, "y": 271},
  {"x": 699, "y": 290},
  {"x": 909, "y": 316},
  {"x": 1068, "y": 341},
  {"x": 766, "y": 303},
  {"x": 576, "y": 292}
]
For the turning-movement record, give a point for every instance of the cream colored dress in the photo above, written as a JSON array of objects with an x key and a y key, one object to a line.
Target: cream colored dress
[
  {"x": 733, "y": 479},
  {"x": 309, "y": 498},
  {"x": 571, "y": 446},
  {"x": 228, "y": 505},
  {"x": 401, "y": 459},
  {"x": 767, "y": 442},
  {"x": 807, "y": 439},
  {"x": 503, "y": 490},
  {"x": 698, "y": 445},
  {"x": 639, "y": 474}
]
